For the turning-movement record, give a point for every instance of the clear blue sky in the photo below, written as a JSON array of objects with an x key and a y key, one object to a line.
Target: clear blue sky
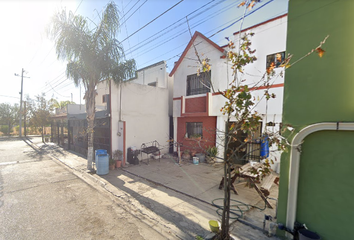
[{"x": 24, "y": 43}]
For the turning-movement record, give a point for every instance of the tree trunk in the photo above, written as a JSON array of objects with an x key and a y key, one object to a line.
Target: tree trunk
[
  {"x": 42, "y": 132},
  {"x": 90, "y": 111},
  {"x": 224, "y": 234},
  {"x": 9, "y": 129}
]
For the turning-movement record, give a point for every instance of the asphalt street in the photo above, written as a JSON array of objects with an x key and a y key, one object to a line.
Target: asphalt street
[{"x": 41, "y": 199}]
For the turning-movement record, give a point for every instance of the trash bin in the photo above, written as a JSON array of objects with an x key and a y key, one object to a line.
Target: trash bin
[
  {"x": 132, "y": 155},
  {"x": 305, "y": 234},
  {"x": 99, "y": 151},
  {"x": 195, "y": 160},
  {"x": 102, "y": 164},
  {"x": 201, "y": 157}
]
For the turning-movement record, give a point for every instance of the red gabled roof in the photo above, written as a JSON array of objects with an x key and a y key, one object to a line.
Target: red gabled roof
[{"x": 196, "y": 34}]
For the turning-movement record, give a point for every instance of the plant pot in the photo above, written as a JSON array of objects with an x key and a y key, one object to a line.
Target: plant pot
[
  {"x": 214, "y": 226},
  {"x": 210, "y": 159},
  {"x": 118, "y": 163},
  {"x": 112, "y": 166},
  {"x": 186, "y": 156}
]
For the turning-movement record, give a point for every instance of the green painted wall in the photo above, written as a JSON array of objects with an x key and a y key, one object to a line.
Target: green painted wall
[
  {"x": 326, "y": 184},
  {"x": 321, "y": 90}
]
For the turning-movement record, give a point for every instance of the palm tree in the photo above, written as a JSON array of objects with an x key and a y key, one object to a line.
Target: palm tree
[
  {"x": 56, "y": 104},
  {"x": 93, "y": 55}
]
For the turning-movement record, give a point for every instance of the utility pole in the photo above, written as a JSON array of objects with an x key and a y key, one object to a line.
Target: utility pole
[
  {"x": 20, "y": 127},
  {"x": 80, "y": 96},
  {"x": 25, "y": 118}
]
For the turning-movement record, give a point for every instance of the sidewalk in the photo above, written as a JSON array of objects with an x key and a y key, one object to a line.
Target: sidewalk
[{"x": 178, "y": 198}]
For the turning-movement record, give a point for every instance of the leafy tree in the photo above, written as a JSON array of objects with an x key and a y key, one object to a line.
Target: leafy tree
[
  {"x": 38, "y": 112},
  {"x": 93, "y": 55},
  {"x": 9, "y": 115},
  {"x": 240, "y": 107}
]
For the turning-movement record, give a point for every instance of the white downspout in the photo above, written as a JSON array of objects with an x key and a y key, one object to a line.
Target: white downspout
[{"x": 295, "y": 163}]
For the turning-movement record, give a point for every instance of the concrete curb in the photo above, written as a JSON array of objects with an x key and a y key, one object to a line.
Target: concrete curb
[
  {"x": 129, "y": 204},
  {"x": 123, "y": 200}
]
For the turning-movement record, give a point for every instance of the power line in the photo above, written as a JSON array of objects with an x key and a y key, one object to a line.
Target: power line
[
  {"x": 53, "y": 80},
  {"x": 151, "y": 21},
  {"x": 241, "y": 18},
  {"x": 135, "y": 48},
  {"x": 238, "y": 19},
  {"x": 140, "y": 28},
  {"x": 35, "y": 54},
  {"x": 61, "y": 82},
  {"x": 133, "y": 12},
  {"x": 51, "y": 87},
  {"x": 9, "y": 96},
  {"x": 155, "y": 36},
  {"x": 57, "y": 92},
  {"x": 201, "y": 21},
  {"x": 126, "y": 29},
  {"x": 68, "y": 84},
  {"x": 78, "y": 6},
  {"x": 126, "y": 5}
]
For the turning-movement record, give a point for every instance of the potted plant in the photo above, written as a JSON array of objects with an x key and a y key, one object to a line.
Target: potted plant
[
  {"x": 196, "y": 136},
  {"x": 186, "y": 155},
  {"x": 118, "y": 157},
  {"x": 112, "y": 163},
  {"x": 211, "y": 153}
]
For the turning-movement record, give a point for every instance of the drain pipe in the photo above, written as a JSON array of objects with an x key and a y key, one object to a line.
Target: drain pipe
[{"x": 295, "y": 163}]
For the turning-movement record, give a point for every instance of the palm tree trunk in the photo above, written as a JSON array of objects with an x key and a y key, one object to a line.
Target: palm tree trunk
[{"x": 90, "y": 111}]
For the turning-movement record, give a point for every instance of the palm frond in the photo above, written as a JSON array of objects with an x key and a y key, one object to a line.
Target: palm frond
[{"x": 93, "y": 55}]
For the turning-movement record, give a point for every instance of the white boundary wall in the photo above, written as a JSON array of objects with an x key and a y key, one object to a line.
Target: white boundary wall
[{"x": 145, "y": 111}]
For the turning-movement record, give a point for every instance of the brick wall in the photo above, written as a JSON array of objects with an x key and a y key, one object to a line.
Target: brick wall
[
  {"x": 209, "y": 133},
  {"x": 194, "y": 105}
]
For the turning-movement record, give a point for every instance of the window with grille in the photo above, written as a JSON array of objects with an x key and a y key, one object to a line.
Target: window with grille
[
  {"x": 194, "y": 129},
  {"x": 198, "y": 84}
]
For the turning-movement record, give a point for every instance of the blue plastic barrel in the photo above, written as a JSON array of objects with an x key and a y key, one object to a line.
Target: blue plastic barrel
[
  {"x": 99, "y": 151},
  {"x": 265, "y": 147},
  {"x": 102, "y": 164}
]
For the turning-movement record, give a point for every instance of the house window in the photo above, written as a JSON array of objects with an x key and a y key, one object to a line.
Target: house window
[
  {"x": 152, "y": 84},
  {"x": 275, "y": 60},
  {"x": 194, "y": 129},
  {"x": 105, "y": 98},
  {"x": 198, "y": 84}
]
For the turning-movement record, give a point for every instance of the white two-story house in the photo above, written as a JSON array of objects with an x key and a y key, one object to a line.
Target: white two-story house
[
  {"x": 196, "y": 106},
  {"x": 140, "y": 109}
]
